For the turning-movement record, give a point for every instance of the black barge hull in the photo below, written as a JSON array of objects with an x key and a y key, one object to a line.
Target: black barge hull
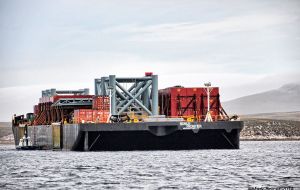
[{"x": 135, "y": 136}]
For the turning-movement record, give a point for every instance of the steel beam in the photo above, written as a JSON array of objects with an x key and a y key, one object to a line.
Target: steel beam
[
  {"x": 96, "y": 87},
  {"x": 102, "y": 87},
  {"x": 112, "y": 87},
  {"x": 154, "y": 95},
  {"x": 133, "y": 80},
  {"x": 146, "y": 98}
]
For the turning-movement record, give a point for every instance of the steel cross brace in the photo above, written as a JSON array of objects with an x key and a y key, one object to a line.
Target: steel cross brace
[
  {"x": 138, "y": 87},
  {"x": 134, "y": 98}
]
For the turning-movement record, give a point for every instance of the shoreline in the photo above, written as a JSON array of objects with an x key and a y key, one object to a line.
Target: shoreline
[
  {"x": 256, "y": 129},
  {"x": 6, "y": 143},
  {"x": 269, "y": 139}
]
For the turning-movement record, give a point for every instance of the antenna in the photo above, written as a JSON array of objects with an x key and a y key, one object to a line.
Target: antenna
[{"x": 208, "y": 117}]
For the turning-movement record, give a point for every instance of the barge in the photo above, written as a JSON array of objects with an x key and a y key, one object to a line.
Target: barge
[{"x": 134, "y": 116}]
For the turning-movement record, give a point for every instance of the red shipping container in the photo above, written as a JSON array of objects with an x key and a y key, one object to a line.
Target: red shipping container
[
  {"x": 101, "y": 102},
  {"x": 100, "y": 116},
  {"x": 105, "y": 116},
  {"x": 83, "y": 116}
]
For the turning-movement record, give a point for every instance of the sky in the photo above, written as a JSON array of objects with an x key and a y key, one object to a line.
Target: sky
[{"x": 243, "y": 47}]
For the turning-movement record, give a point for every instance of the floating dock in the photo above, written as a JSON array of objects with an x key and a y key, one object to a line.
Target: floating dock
[{"x": 128, "y": 114}]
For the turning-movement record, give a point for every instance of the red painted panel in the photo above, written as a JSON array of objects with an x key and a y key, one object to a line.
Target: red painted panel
[
  {"x": 189, "y": 102},
  {"x": 36, "y": 110}
]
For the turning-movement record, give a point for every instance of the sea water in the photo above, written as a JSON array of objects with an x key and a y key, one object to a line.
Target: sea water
[{"x": 257, "y": 164}]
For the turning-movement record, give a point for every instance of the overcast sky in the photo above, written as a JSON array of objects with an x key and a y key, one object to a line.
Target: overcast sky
[{"x": 244, "y": 47}]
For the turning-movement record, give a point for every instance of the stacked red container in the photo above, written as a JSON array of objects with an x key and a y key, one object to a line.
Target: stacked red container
[
  {"x": 99, "y": 113},
  {"x": 101, "y": 109}
]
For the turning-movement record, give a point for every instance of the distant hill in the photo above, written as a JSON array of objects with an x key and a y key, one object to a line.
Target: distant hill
[
  {"x": 5, "y": 129},
  {"x": 284, "y": 99}
]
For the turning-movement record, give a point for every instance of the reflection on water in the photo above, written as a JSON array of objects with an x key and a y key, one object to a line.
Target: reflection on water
[{"x": 256, "y": 164}]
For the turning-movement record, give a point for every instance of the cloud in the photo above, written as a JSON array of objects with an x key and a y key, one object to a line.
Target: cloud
[
  {"x": 84, "y": 68},
  {"x": 193, "y": 31}
]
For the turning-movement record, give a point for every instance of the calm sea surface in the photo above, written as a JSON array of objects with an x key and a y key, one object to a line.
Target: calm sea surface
[{"x": 256, "y": 164}]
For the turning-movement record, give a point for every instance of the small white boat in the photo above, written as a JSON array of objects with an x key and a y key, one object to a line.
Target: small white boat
[{"x": 26, "y": 144}]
